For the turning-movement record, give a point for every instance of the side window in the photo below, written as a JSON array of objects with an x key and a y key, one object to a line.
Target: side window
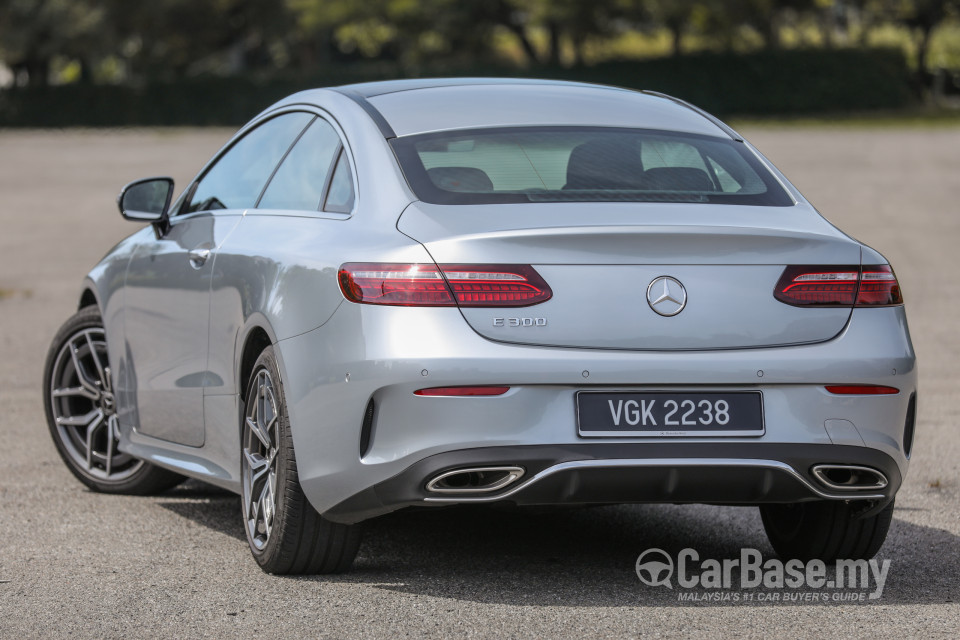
[
  {"x": 299, "y": 182},
  {"x": 340, "y": 197},
  {"x": 238, "y": 177}
]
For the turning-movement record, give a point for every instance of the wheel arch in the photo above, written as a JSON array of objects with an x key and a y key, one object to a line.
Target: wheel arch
[
  {"x": 88, "y": 298},
  {"x": 256, "y": 339}
]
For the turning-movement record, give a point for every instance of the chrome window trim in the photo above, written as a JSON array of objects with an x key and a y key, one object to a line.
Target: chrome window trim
[{"x": 292, "y": 108}]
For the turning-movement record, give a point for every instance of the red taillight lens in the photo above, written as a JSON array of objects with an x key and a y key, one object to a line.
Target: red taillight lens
[
  {"x": 469, "y": 285},
  {"x": 504, "y": 285},
  {"x": 395, "y": 284},
  {"x": 461, "y": 391},
  {"x": 861, "y": 389},
  {"x": 879, "y": 286},
  {"x": 823, "y": 286},
  {"x": 838, "y": 286}
]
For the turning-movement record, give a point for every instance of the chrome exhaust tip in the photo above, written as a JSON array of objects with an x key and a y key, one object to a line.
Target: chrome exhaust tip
[
  {"x": 848, "y": 477},
  {"x": 474, "y": 480}
]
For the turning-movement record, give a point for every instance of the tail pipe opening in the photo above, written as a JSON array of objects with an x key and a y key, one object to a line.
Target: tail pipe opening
[
  {"x": 846, "y": 477},
  {"x": 474, "y": 480}
]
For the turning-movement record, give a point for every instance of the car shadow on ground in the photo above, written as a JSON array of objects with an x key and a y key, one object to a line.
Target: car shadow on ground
[
  {"x": 584, "y": 556},
  {"x": 214, "y": 508}
]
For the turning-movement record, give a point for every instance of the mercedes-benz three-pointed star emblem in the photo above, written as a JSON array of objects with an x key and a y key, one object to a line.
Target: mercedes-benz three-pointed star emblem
[{"x": 666, "y": 296}]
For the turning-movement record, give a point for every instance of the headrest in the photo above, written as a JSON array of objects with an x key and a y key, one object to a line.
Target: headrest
[
  {"x": 465, "y": 179},
  {"x": 604, "y": 164}
]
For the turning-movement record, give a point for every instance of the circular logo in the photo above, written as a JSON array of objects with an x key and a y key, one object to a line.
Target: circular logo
[
  {"x": 107, "y": 402},
  {"x": 666, "y": 296},
  {"x": 655, "y": 568}
]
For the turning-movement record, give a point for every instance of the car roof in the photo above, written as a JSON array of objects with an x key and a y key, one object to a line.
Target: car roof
[
  {"x": 415, "y": 106},
  {"x": 373, "y": 89}
]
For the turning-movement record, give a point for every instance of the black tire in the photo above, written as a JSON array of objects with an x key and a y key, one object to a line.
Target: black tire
[
  {"x": 290, "y": 537},
  {"x": 87, "y": 459},
  {"x": 825, "y": 530}
]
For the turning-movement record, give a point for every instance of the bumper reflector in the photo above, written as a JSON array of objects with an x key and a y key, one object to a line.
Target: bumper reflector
[
  {"x": 461, "y": 391},
  {"x": 861, "y": 390}
]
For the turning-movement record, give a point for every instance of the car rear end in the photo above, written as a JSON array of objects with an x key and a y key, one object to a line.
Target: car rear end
[
  {"x": 540, "y": 404},
  {"x": 578, "y": 335}
]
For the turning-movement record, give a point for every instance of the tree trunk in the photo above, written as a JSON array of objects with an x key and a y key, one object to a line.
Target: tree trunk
[
  {"x": 770, "y": 31},
  {"x": 86, "y": 71},
  {"x": 676, "y": 31},
  {"x": 37, "y": 71},
  {"x": 525, "y": 43},
  {"x": 923, "y": 49},
  {"x": 866, "y": 24},
  {"x": 827, "y": 27},
  {"x": 554, "y": 54},
  {"x": 578, "y": 41}
]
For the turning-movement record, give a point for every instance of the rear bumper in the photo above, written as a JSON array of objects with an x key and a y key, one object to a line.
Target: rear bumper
[
  {"x": 715, "y": 473},
  {"x": 352, "y": 468}
]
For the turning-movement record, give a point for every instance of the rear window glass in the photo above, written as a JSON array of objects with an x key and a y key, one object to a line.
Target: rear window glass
[{"x": 567, "y": 164}]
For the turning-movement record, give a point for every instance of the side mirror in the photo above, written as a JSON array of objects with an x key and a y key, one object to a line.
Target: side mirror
[{"x": 146, "y": 200}]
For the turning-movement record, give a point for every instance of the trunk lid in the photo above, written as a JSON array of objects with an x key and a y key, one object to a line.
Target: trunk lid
[{"x": 600, "y": 259}]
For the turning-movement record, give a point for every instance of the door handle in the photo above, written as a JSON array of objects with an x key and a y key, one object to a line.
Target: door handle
[{"x": 198, "y": 257}]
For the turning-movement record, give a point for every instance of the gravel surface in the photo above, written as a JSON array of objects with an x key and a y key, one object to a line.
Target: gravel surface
[{"x": 75, "y": 563}]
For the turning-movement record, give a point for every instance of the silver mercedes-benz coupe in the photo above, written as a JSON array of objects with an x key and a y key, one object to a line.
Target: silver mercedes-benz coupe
[{"x": 461, "y": 291}]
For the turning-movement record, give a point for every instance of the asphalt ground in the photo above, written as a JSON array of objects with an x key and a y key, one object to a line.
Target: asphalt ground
[{"x": 75, "y": 563}]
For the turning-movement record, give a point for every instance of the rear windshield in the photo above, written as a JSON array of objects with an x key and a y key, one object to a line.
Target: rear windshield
[{"x": 577, "y": 164}]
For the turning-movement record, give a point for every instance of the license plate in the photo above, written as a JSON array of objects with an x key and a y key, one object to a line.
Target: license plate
[{"x": 662, "y": 413}]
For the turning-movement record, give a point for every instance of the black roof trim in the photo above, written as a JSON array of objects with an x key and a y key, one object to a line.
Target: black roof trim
[
  {"x": 712, "y": 118},
  {"x": 354, "y": 92},
  {"x": 371, "y": 110},
  {"x": 385, "y": 87}
]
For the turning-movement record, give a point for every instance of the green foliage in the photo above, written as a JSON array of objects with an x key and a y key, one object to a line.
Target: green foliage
[
  {"x": 32, "y": 32},
  {"x": 154, "y": 52},
  {"x": 120, "y": 41},
  {"x": 781, "y": 82}
]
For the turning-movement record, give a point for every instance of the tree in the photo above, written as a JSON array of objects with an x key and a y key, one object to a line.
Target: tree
[
  {"x": 765, "y": 17},
  {"x": 33, "y": 32},
  {"x": 463, "y": 29},
  {"x": 923, "y": 17},
  {"x": 409, "y": 31},
  {"x": 575, "y": 22},
  {"x": 676, "y": 15},
  {"x": 174, "y": 38}
]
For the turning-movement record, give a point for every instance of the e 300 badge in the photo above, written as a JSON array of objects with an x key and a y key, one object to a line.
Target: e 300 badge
[{"x": 519, "y": 322}]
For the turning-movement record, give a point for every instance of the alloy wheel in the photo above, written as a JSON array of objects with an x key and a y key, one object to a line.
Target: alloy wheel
[
  {"x": 260, "y": 440},
  {"x": 84, "y": 407}
]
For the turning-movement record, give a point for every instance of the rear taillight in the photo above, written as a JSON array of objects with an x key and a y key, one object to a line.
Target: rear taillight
[
  {"x": 839, "y": 286},
  {"x": 422, "y": 285},
  {"x": 879, "y": 286}
]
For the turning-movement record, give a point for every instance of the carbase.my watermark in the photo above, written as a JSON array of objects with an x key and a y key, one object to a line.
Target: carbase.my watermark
[{"x": 793, "y": 580}]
